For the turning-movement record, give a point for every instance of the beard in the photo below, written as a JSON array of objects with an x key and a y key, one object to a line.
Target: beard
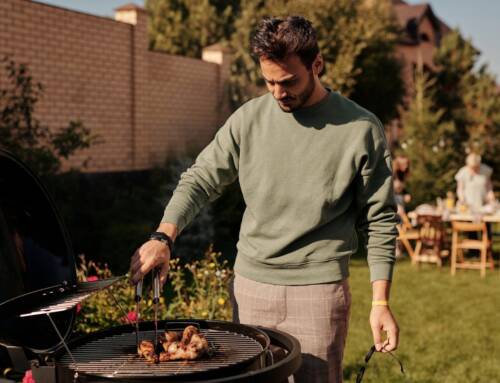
[{"x": 293, "y": 102}]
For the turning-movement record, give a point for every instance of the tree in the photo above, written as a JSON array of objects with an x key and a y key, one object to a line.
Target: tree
[
  {"x": 24, "y": 135},
  {"x": 470, "y": 99},
  {"x": 185, "y": 27},
  {"x": 482, "y": 106},
  {"x": 455, "y": 60},
  {"x": 356, "y": 40},
  {"x": 427, "y": 142}
]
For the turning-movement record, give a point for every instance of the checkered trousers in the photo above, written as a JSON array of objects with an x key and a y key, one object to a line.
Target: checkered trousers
[{"x": 317, "y": 315}]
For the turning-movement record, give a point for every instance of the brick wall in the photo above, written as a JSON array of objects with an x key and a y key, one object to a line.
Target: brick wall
[{"x": 144, "y": 105}]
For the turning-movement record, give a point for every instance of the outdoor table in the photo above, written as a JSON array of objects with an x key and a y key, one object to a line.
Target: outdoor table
[
  {"x": 489, "y": 218},
  {"x": 447, "y": 216}
]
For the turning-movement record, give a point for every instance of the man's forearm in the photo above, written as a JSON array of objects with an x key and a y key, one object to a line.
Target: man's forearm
[
  {"x": 168, "y": 228},
  {"x": 381, "y": 290}
]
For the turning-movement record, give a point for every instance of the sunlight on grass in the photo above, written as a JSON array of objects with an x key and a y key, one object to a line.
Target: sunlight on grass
[{"x": 450, "y": 326}]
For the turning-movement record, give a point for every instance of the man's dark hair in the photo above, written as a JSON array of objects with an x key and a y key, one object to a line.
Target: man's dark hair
[{"x": 276, "y": 38}]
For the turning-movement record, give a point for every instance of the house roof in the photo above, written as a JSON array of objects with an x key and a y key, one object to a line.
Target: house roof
[{"x": 406, "y": 14}]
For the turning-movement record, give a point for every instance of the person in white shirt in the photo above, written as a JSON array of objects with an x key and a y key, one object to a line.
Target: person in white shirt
[{"x": 474, "y": 187}]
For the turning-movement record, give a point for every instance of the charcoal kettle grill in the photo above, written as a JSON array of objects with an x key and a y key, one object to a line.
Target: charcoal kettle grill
[{"x": 39, "y": 293}]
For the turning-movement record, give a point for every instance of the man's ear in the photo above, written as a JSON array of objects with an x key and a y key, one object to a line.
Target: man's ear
[{"x": 318, "y": 65}]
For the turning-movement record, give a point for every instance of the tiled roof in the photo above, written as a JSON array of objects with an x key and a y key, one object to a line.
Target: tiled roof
[{"x": 405, "y": 13}]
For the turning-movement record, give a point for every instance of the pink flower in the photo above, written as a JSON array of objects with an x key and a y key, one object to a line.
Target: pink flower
[
  {"x": 131, "y": 316},
  {"x": 28, "y": 377},
  {"x": 92, "y": 278},
  {"x": 78, "y": 308}
]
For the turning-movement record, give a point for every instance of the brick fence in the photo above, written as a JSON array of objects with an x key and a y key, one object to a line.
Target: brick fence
[{"x": 144, "y": 105}]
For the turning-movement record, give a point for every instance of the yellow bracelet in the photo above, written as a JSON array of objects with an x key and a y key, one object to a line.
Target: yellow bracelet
[{"x": 380, "y": 303}]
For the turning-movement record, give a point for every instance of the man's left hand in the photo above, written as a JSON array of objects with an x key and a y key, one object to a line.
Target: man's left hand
[{"x": 382, "y": 320}]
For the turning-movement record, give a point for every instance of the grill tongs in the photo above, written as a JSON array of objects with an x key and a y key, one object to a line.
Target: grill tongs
[{"x": 156, "y": 300}]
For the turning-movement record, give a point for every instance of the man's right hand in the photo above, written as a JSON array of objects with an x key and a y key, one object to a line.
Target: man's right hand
[{"x": 151, "y": 254}]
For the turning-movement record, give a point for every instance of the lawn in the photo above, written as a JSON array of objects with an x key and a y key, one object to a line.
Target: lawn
[{"x": 449, "y": 326}]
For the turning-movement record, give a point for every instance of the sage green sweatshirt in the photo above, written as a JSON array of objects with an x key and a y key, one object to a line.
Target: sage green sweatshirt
[{"x": 308, "y": 179}]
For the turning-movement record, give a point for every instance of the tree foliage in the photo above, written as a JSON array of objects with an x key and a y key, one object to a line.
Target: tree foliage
[
  {"x": 357, "y": 42},
  {"x": 428, "y": 143},
  {"x": 23, "y": 134},
  {"x": 185, "y": 27},
  {"x": 461, "y": 114}
]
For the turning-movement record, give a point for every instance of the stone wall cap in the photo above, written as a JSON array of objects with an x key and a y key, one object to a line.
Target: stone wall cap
[
  {"x": 131, "y": 7},
  {"x": 217, "y": 47}
]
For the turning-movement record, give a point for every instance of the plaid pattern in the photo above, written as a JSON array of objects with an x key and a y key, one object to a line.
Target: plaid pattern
[{"x": 317, "y": 315}]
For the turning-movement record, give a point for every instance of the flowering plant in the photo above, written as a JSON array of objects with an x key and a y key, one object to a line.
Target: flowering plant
[{"x": 194, "y": 290}]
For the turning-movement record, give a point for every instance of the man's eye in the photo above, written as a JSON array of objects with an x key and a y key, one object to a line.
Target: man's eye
[{"x": 287, "y": 83}]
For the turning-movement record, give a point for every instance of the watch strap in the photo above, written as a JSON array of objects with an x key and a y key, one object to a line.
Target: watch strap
[{"x": 162, "y": 237}]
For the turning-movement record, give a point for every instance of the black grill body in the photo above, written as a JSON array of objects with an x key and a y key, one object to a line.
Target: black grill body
[
  {"x": 39, "y": 292},
  {"x": 272, "y": 356}
]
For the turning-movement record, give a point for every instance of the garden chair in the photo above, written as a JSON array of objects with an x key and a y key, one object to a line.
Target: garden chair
[
  {"x": 407, "y": 233},
  {"x": 430, "y": 244},
  {"x": 461, "y": 243}
]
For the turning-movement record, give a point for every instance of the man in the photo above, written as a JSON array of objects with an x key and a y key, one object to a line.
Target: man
[
  {"x": 474, "y": 187},
  {"x": 311, "y": 165}
]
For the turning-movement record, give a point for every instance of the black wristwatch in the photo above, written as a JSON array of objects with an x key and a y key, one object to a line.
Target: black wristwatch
[{"x": 162, "y": 237}]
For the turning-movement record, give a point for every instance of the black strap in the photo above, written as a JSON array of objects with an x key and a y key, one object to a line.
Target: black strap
[{"x": 162, "y": 237}]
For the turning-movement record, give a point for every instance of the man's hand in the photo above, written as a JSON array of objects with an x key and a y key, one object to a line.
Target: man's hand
[
  {"x": 382, "y": 320},
  {"x": 151, "y": 254}
]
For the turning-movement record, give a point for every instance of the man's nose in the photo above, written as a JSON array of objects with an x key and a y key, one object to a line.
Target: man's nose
[{"x": 279, "y": 91}]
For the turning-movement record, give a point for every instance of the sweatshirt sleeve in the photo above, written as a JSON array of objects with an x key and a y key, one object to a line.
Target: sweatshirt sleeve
[
  {"x": 215, "y": 167},
  {"x": 376, "y": 205}
]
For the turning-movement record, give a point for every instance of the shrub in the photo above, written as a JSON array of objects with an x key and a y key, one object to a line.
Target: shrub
[
  {"x": 24, "y": 135},
  {"x": 194, "y": 290}
]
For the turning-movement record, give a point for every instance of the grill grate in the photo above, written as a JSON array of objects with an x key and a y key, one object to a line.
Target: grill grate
[{"x": 115, "y": 356}]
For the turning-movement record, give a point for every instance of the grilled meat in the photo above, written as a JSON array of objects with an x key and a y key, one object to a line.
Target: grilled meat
[
  {"x": 146, "y": 350},
  {"x": 188, "y": 332},
  {"x": 192, "y": 345},
  {"x": 171, "y": 336}
]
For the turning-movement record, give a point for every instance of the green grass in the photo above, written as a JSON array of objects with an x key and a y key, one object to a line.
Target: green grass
[{"x": 449, "y": 326}]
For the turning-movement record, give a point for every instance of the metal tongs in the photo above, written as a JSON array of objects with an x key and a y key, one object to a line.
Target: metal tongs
[
  {"x": 156, "y": 301},
  {"x": 137, "y": 298}
]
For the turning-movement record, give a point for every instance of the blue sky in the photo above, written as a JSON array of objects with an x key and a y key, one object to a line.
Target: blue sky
[{"x": 478, "y": 20}]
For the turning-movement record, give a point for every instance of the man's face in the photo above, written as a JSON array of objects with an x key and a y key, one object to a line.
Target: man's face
[{"x": 289, "y": 81}]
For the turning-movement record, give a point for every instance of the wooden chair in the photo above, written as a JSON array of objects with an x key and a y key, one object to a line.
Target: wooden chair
[
  {"x": 407, "y": 233},
  {"x": 429, "y": 246},
  {"x": 459, "y": 244}
]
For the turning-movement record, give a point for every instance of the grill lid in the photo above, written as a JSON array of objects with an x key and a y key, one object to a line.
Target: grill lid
[{"x": 35, "y": 254}]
